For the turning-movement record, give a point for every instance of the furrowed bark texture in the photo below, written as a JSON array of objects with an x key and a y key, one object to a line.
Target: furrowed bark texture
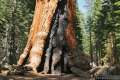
[
  {"x": 44, "y": 11},
  {"x": 52, "y": 23},
  {"x": 70, "y": 34}
]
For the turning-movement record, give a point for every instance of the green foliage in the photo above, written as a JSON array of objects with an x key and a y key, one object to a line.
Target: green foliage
[
  {"x": 15, "y": 20},
  {"x": 79, "y": 20},
  {"x": 104, "y": 19}
]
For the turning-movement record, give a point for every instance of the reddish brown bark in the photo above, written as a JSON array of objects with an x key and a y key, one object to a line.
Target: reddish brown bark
[
  {"x": 33, "y": 30},
  {"x": 70, "y": 34},
  {"x": 44, "y": 11},
  {"x": 40, "y": 28}
]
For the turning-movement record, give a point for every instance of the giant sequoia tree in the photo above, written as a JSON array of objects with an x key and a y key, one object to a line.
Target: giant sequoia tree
[{"x": 51, "y": 35}]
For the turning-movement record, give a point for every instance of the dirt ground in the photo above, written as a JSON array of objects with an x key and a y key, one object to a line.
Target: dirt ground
[{"x": 44, "y": 77}]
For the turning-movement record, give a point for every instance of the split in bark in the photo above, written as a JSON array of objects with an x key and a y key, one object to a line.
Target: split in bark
[{"x": 51, "y": 31}]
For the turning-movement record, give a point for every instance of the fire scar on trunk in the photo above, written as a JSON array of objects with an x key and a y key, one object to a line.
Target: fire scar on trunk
[{"x": 41, "y": 31}]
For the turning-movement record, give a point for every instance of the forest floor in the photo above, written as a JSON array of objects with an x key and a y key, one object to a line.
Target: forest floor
[
  {"x": 9, "y": 74},
  {"x": 98, "y": 73},
  {"x": 44, "y": 77},
  {"x": 105, "y": 72}
]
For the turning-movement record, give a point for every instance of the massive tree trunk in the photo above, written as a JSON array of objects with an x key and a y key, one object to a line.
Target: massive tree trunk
[{"x": 51, "y": 31}]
